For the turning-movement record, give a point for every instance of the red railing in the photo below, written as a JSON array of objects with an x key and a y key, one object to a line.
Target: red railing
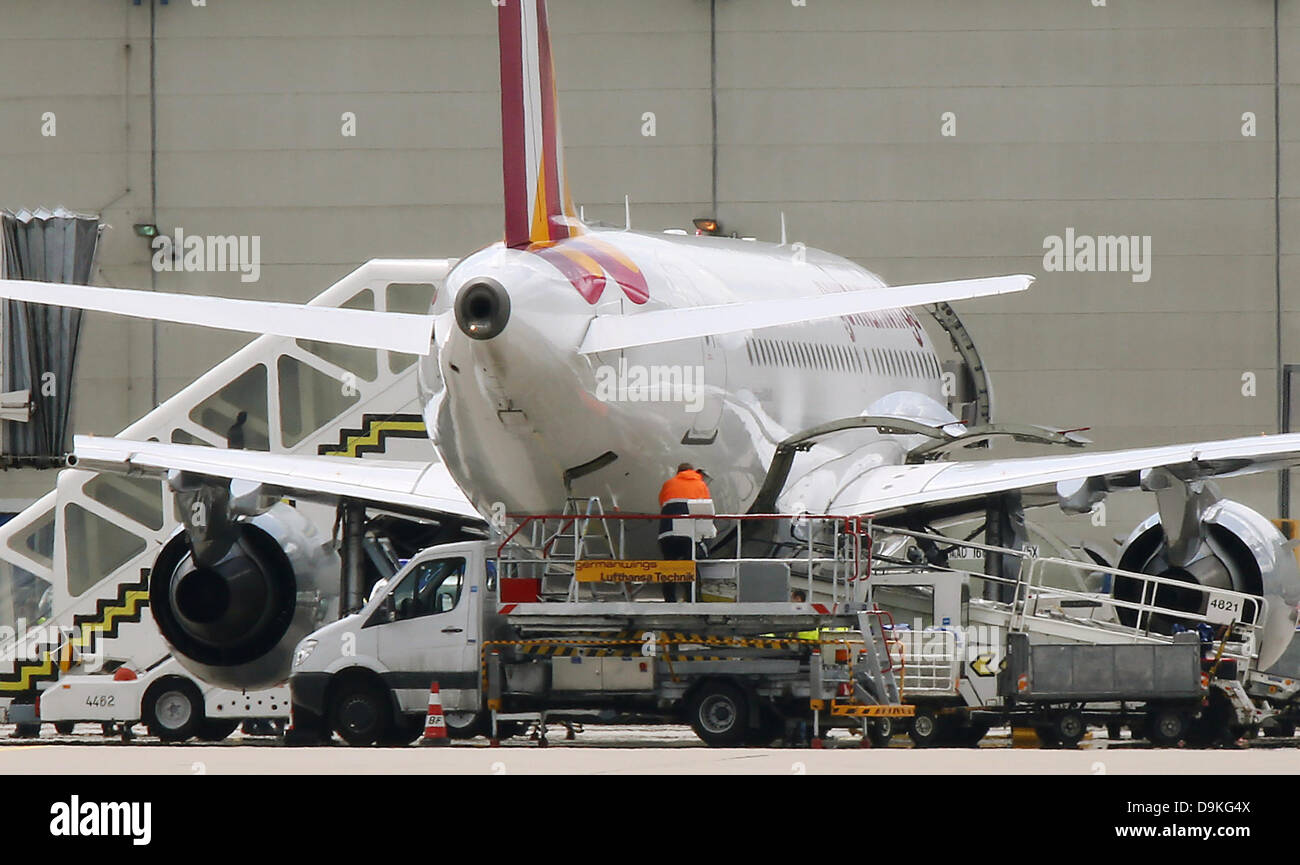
[{"x": 855, "y": 526}]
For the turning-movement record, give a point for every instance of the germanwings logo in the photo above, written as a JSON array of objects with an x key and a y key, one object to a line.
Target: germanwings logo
[{"x": 588, "y": 264}]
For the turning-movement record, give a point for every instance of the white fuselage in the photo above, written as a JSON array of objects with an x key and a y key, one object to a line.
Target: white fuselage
[{"x": 511, "y": 414}]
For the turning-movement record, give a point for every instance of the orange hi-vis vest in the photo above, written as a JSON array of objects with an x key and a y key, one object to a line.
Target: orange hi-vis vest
[
  {"x": 675, "y": 497},
  {"x": 684, "y": 486}
]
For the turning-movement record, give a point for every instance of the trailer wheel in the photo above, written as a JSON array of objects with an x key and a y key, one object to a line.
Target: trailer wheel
[
  {"x": 924, "y": 730},
  {"x": 1281, "y": 729},
  {"x": 1069, "y": 729},
  {"x": 216, "y": 729},
  {"x": 360, "y": 712},
  {"x": 973, "y": 733},
  {"x": 1165, "y": 728},
  {"x": 173, "y": 709},
  {"x": 65, "y": 728},
  {"x": 1047, "y": 736},
  {"x": 719, "y": 714},
  {"x": 880, "y": 731}
]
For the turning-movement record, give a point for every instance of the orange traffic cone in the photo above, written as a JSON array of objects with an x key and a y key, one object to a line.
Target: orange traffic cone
[{"x": 435, "y": 725}]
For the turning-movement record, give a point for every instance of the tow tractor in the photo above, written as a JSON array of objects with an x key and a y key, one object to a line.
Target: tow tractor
[
  {"x": 550, "y": 621},
  {"x": 172, "y": 704}
]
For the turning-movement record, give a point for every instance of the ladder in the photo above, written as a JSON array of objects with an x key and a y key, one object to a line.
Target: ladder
[
  {"x": 582, "y": 533},
  {"x": 875, "y": 664}
]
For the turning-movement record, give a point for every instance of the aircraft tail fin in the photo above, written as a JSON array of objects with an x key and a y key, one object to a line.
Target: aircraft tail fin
[{"x": 537, "y": 203}]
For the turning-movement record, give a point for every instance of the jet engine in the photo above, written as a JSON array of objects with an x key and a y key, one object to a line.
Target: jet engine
[
  {"x": 232, "y": 597},
  {"x": 1197, "y": 537}
]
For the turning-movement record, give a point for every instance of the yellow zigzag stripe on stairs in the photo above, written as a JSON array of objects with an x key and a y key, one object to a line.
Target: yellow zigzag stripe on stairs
[
  {"x": 373, "y": 435},
  {"x": 127, "y": 607}
]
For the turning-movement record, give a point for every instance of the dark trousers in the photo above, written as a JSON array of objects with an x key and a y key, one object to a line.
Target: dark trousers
[{"x": 676, "y": 548}]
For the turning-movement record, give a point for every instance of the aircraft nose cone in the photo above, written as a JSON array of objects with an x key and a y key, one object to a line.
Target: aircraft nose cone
[{"x": 482, "y": 308}]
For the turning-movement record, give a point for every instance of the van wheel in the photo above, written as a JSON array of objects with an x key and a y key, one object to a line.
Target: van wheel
[
  {"x": 173, "y": 709},
  {"x": 216, "y": 729},
  {"x": 719, "y": 714},
  {"x": 360, "y": 713}
]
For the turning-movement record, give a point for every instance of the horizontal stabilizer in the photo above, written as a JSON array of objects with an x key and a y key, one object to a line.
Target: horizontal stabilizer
[
  {"x": 393, "y": 331},
  {"x": 614, "y": 332}
]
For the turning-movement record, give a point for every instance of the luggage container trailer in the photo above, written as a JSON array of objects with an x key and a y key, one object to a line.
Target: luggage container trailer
[
  {"x": 508, "y": 632},
  {"x": 1060, "y": 689}
]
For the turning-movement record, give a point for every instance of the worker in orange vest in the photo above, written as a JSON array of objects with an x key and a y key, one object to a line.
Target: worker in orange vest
[{"x": 677, "y": 537}]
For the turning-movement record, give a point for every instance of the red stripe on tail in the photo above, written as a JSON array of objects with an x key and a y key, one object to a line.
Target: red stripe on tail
[{"x": 514, "y": 157}]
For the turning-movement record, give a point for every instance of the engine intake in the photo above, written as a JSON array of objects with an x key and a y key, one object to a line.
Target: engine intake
[
  {"x": 235, "y": 622},
  {"x": 1238, "y": 550}
]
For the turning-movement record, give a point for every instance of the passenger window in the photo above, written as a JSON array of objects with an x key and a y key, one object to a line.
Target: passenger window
[{"x": 430, "y": 588}]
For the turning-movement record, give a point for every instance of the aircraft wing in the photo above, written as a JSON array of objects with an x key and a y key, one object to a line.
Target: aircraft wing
[
  {"x": 404, "y": 486},
  {"x": 613, "y": 332},
  {"x": 946, "y": 486}
]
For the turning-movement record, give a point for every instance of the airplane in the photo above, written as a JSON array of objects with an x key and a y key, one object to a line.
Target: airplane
[{"x": 573, "y": 360}]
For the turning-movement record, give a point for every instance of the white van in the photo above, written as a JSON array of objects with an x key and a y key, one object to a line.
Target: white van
[{"x": 367, "y": 676}]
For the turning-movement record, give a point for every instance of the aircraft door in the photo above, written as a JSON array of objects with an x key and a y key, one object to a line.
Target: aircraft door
[{"x": 710, "y": 379}]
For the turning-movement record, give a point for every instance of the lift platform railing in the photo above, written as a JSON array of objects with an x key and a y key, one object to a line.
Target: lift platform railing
[
  {"x": 930, "y": 660},
  {"x": 823, "y": 551},
  {"x": 1148, "y": 616}
]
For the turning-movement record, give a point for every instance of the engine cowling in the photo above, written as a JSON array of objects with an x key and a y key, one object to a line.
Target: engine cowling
[
  {"x": 1233, "y": 547},
  {"x": 236, "y": 621}
]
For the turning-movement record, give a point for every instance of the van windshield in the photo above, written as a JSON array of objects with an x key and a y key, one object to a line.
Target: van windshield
[{"x": 431, "y": 587}]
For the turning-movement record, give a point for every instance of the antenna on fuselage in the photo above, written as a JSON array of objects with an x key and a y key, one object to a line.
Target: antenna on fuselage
[
  {"x": 582, "y": 213},
  {"x": 783, "y": 228},
  {"x": 627, "y": 212}
]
